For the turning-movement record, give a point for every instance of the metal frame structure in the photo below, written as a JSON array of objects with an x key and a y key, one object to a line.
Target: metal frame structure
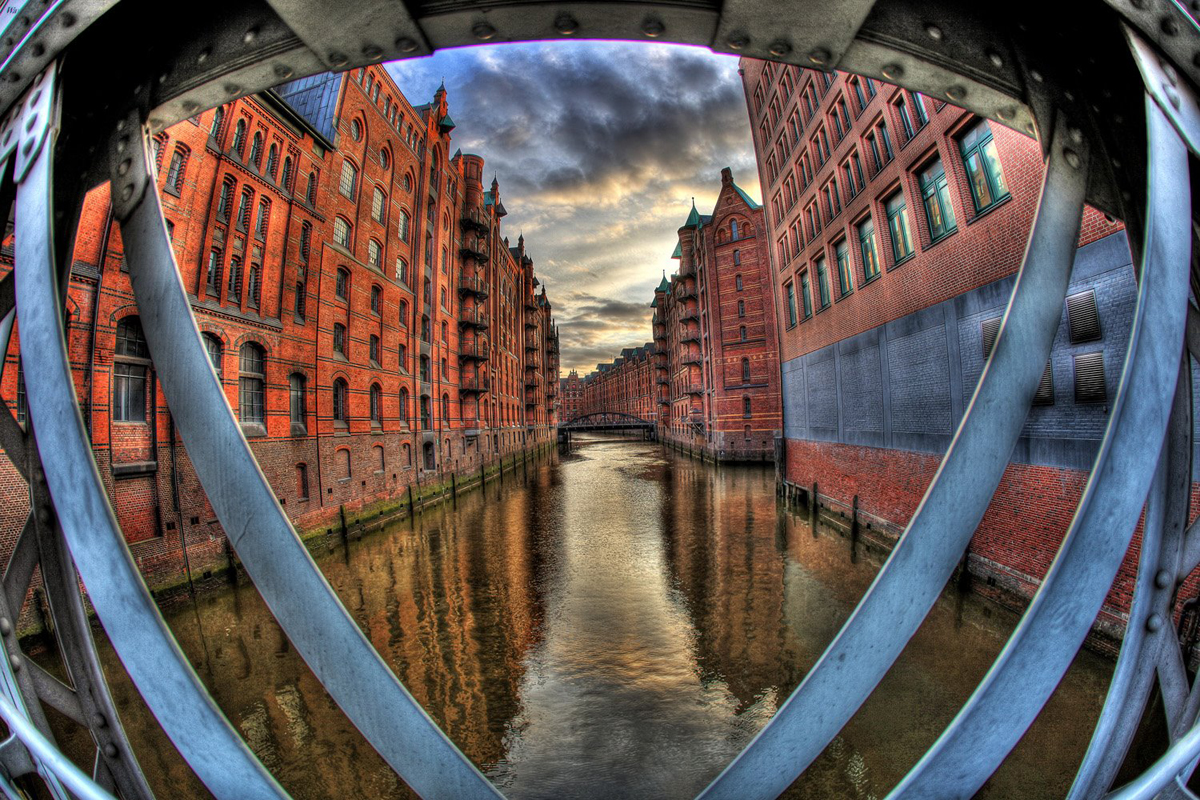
[{"x": 1113, "y": 102}]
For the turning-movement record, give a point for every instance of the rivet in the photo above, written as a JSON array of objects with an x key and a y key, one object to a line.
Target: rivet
[
  {"x": 1169, "y": 70},
  {"x": 138, "y": 89},
  {"x": 406, "y": 45},
  {"x": 98, "y": 720},
  {"x": 1162, "y": 579},
  {"x": 28, "y": 148},
  {"x": 934, "y": 32},
  {"x": 482, "y": 31},
  {"x": 127, "y": 193},
  {"x": 13, "y": 77},
  {"x": 124, "y": 166},
  {"x": 190, "y": 106},
  {"x": 43, "y": 515},
  {"x": 283, "y": 71},
  {"x": 163, "y": 78},
  {"x": 249, "y": 36},
  {"x": 1169, "y": 26},
  {"x": 110, "y": 750},
  {"x": 1003, "y": 114},
  {"x": 1072, "y": 157},
  {"x": 819, "y": 56},
  {"x": 956, "y": 92},
  {"x": 779, "y": 48},
  {"x": 1029, "y": 128},
  {"x": 156, "y": 123},
  {"x": 738, "y": 41},
  {"x": 1037, "y": 76},
  {"x": 5, "y": 626},
  {"x": 9, "y": 41},
  {"x": 1116, "y": 162},
  {"x": 1172, "y": 96},
  {"x": 1154, "y": 623},
  {"x": 996, "y": 59},
  {"x": 122, "y": 144},
  {"x": 1139, "y": 3},
  {"x": 653, "y": 27},
  {"x": 338, "y": 59},
  {"x": 15, "y": 662},
  {"x": 372, "y": 52},
  {"x": 121, "y": 124},
  {"x": 232, "y": 89},
  {"x": 36, "y": 96},
  {"x": 203, "y": 55},
  {"x": 893, "y": 72},
  {"x": 1069, "y": 96},
  {"x": 565, "y": 24},
  {"x": 38, "y": 50},
  {"x": 68, "y": 20}
]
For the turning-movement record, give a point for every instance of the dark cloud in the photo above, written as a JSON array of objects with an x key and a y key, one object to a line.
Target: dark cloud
[{"x": 599, "y": 148}]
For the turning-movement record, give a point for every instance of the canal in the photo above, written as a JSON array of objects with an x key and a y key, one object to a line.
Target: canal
[{"x": 619, "y": 622}]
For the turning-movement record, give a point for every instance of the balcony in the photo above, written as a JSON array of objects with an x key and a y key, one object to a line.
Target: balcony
[
  {"x": 531, "y": 323},
  {"x": 662, "y": 401},
  {"x": 686, "y": 294},
  {"x": 531, "y": 304},
  {"x": 474, "y": 351},
  {"x": 474, "y": 383},
  {"x": 660, "y": 336},
  {"x": 691, "y": 361},
  {"x": 475, "y": 248},
  {"x": 531, "y": 344},
  {"x": 474, "y": 221},
  {"x": 663, "y": 382},
  {"x": 690, "y": 316},
  {"x": 691, "y": 337},
  {"x": 473, "y": 318},
  {"x": 532, "y": 365},
  {"x": 531, "y": 380},
  {"x": 693, "y": 388},
  {"x": 472, "y": 286}
]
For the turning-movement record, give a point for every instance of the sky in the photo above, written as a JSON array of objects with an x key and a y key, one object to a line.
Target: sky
[{"x": 599, "y": 148}]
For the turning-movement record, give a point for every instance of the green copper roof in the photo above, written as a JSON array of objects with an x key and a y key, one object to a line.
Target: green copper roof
[
  {"x": 447, "y": 123},
  {"x": 693, "y": 220},
  {"x": 663, "y": 285},
  {"x": 746, "y": 197},
  {"x": 678, "y": 252}
]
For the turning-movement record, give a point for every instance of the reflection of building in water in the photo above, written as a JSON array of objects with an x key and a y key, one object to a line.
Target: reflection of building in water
[{"x": 359, "y": 302}]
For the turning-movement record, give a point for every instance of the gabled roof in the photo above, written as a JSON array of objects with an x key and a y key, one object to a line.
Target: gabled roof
[
  {"x": 678, "y": 251},
  {"x": 753, "y": 205}
]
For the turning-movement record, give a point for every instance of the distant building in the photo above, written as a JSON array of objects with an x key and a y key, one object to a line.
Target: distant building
[
  {"x": 571, "y": 396},
  {"x": 621, "y": 387},
  {"x": 370, "y": 323},
  {"x": 717, "y": 362}
]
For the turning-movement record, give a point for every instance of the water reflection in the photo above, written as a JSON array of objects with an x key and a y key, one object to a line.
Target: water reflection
[{"x": 616, "y": 623}]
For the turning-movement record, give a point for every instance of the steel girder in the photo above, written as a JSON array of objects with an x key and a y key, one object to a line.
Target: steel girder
[{"x": 1113, "y": 101}]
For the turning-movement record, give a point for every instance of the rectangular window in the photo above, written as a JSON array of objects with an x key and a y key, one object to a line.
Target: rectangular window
[
  {"x": 341, "y": 232},
  {"x": 936, "y": 195},
  {"x": 790, "y": 289},
  {"x": 905, "y": 119},
  {"x": 897, "y": 214},
  {"x": 982, "y": 163},
  {"x": 886, "y": 140},
  {"x": 842, "y": 252},
  {"x": 822, "y": 283},
  {"x": 866, "y": 245},
  {"x": 129, "y": 392},
  {"x": 918, "y": 101},
  {"x": 805, "y": 296}
]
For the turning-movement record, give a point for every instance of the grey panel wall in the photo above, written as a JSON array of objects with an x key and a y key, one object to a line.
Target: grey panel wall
[{"x": 905, "y": 384}]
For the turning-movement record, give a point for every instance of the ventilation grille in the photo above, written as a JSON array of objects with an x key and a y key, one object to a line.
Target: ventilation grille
[
  {"x": 1089, "y": 378},
  {"x": 1045, "y": 390},
  {"x": 989, "y": 328},
  {"x": 1082, "y": 317}
]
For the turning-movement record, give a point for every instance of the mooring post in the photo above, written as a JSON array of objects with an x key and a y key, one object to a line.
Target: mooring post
[
  {"x": 453, "y": 486},
  {"x": 342, "y": 514},
  {"x": 815, "y": 511},
  {"x": 854, "y": 530},
  {"x": 411, "y": 504}
]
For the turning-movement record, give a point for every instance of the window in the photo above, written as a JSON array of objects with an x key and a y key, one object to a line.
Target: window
[
  {"x": 866, "y": 247},
  {"x": 341, "y": 232},
  {"x": 936, "y": 194},
  {"x": 254, "y": 286},
  {"x": 339, "y": 338},
  {"x": 212, "y": 346},
  {"x": 234, "y": 293},
  {"x": 805, "y": 297},
  {"x": 272, "y": 161},
  {"x": 733, "y": 230},
  {"x": 1089, "y": 378},
  {"x": 256, "y": 151},
  {"x": 131, "y": 361},
  {"x": 885, "y": 139},
  {"x": 745, "y": 370},
  {"x": 823, "y": 283},
  {"x": 340, "y": 401},
  {"x": 356, "y": 130},
  {"x": 341, "y": 286},
  {"x": 746, "y": 407},
  {"x": 905, "y": 119},
  {"x": 741, "y": 308},
  {"x": 742, "y": 333},
  {"x": 376, "y": 299},
  {"x": 841, "y": 252},
  {"x": 264, "y": 216},
  {"x": 301, "y": 300},
  {"x": 377, "y": 204},
  {"x": 1083, "y": 317},
  {"x": 377, "y": 451},
  {"x": 404, "y": 405},
  {"x": 225, "y": 202},
  {"x": 174, "y": 183},
  {"x": 218, "y": 119},
  {"x": 302, "y": 481},
  {"x": 790, "y": 290},
  {"x": 212, "y": 282},
  {"x": 239, "y": 137},
  {"x": 374, "y": 254},
  {"x": 426, "y": 415},
  {"x": 403, "y": 225},
  {"x": 897, "y": 214},
  {"x": 982, "y": 163},
  {"x": 374, "y": 349},
  {"x": 918, "y": 101},
  {"x": 445, "y": 408},
  {"x": 348, "y": 180},
  {"x": 403, "y": 313},
  {"x": 305, "y": 242},
  {"x": 285, "y": 177},
  {"x": 310, "y": 192},
  {"x": 243, "y": 214},
  {"x": 298, "y": 402},
  {"x": 376, "y": 405},
  {"x": 737, "y": 281},
  {"x": 251, "y": 369}
]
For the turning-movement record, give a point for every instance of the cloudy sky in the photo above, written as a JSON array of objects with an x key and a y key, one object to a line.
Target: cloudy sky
[{"x": 599, "y": 148}]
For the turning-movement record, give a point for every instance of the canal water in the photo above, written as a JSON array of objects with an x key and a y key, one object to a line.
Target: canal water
[{"x": 618, "y": 623}]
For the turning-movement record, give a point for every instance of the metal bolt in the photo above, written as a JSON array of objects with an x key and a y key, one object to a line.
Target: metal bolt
[
  {"x": 43, "y": 515},
  {"x": 203, "y": 55},
  {"x": 1072, "y": 158},
  {"x": 38, "y": 50},
  {"x": 1139, "y": 3},
  {"x": 338, "y": 59},
  {"x": 779, "y": 48},
  {"x": 124, "y": 166},
  {"x": 956, "y": 92},
  {"x": 14, "y": 77},
  {"x": 232, "y": 89},
  {"x": 653, "y": 27},
  {"x": 738, "y": 41},
  {"x": 15, "y": 662},
  {"x": 1162, "y": 579},
  {"x": 996, "y": 59},
  {"x": 110, "y": 750},
  {"x": 249, "y": 36},
  {"x": 190, "y": 106},
  {"x": 127, "y": 193},
  {"x": 934, "y": 32},
  {"x": 482, "y": 31},
  {"x": 68, "y": 20},
  {"x": 893, "y": 72},
  {"x": 1037, "y": 76},
  {"x": 406, "y": 45},
  {"x": 566, "y": 24},
  {"x": 1169, "y": 26},
  {"x": 164, "y": 77},
  {"x": 283, "y": 71},
  {"x": 5, "y": 626},
  {"x": 819, "y": 56},
  {"x": 98, "y": 720},
  {"x": 1172, "y": 96},
  {"x": 1154, "y": 623},
  {"x": 372, "y": 51}
]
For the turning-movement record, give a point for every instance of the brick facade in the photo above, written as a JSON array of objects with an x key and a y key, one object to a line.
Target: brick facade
[{"x": 372, "y": 327}]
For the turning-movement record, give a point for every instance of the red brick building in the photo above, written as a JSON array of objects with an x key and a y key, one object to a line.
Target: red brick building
[
  {"x": 371, "y": 326},
  {"x": 570, "y": 396},
  {"x": 717, "y": 374},
  {"x": 623, "y": 386},
  {"x": 897, "y": 225}
]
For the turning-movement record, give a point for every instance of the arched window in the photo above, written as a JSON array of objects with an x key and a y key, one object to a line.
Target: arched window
[
  {"x": 737, "y": 279},
  {"x": 404, "y": 405},
  {"x": 376, "y": 300},
  {"x": 272, "y": 161},
  {"x": 234, "y": 294},
  {"x": 213, "y": 281},
  {"x": 374, "y": 254},
  {"x": 407, "y": 455},
  {"x": 341, "y": 285},
  {"x": 426, "y": 413},
  {"x": 301, "y": 300},
  {"x": 305, "y": 242},
  {"x": 243, "y": 215},
  {"x": 285, "y": 177},
  {"x": 212, "y": 346},
  {"x": 251, "y": 378},
  {"x": 254, "y": 286},
  {"x": 225, "y": 203},
  {"x": 239, "y": 138},
  {"x": 733, "y": 229},
  {"x": 378, "y": 203},
  {"x": 356, "y": 130},
  {"x": 256, "y": 145},
  {"x": 343, "y": 460},
  {"x": 339, "y": 338},
  {"x": 302, "y": 481},
  {"x": 310, "y": 193},
  {"x": 264, "y": 217},
  {"x": 408, "y": 182},
  {"x": 218, "y": 119},
  {"x": 349, "y": 179},
  {"x": 745, "y": 406},
  {"x": 175, "y": 172},
  {"x": 433, "y": 168},
  {"x": 403, "y": 225},
  {"x": 341, "y": 232},
  {"x": 376, "y": 403},
  {"x": 737, "y": 258},
  {"x": 385, "y": 157},
  {"x": 298, "y": 402},
  {"x": 374, "y": 349},
  {"x": 340, "y": 400},
  {"x": 446, "y": 408},
  {"x": 430, "y": 456},
  {"x": 741, "y": 308},
  {"x": 131, "y": 365},
  {"x": 403, "y": 313},
  {"x": 377, "y": 450},
  {"x": 745, "y": 370},
  {"x": 401, "y": 270},
  {"x": 742, "y": 333}
]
